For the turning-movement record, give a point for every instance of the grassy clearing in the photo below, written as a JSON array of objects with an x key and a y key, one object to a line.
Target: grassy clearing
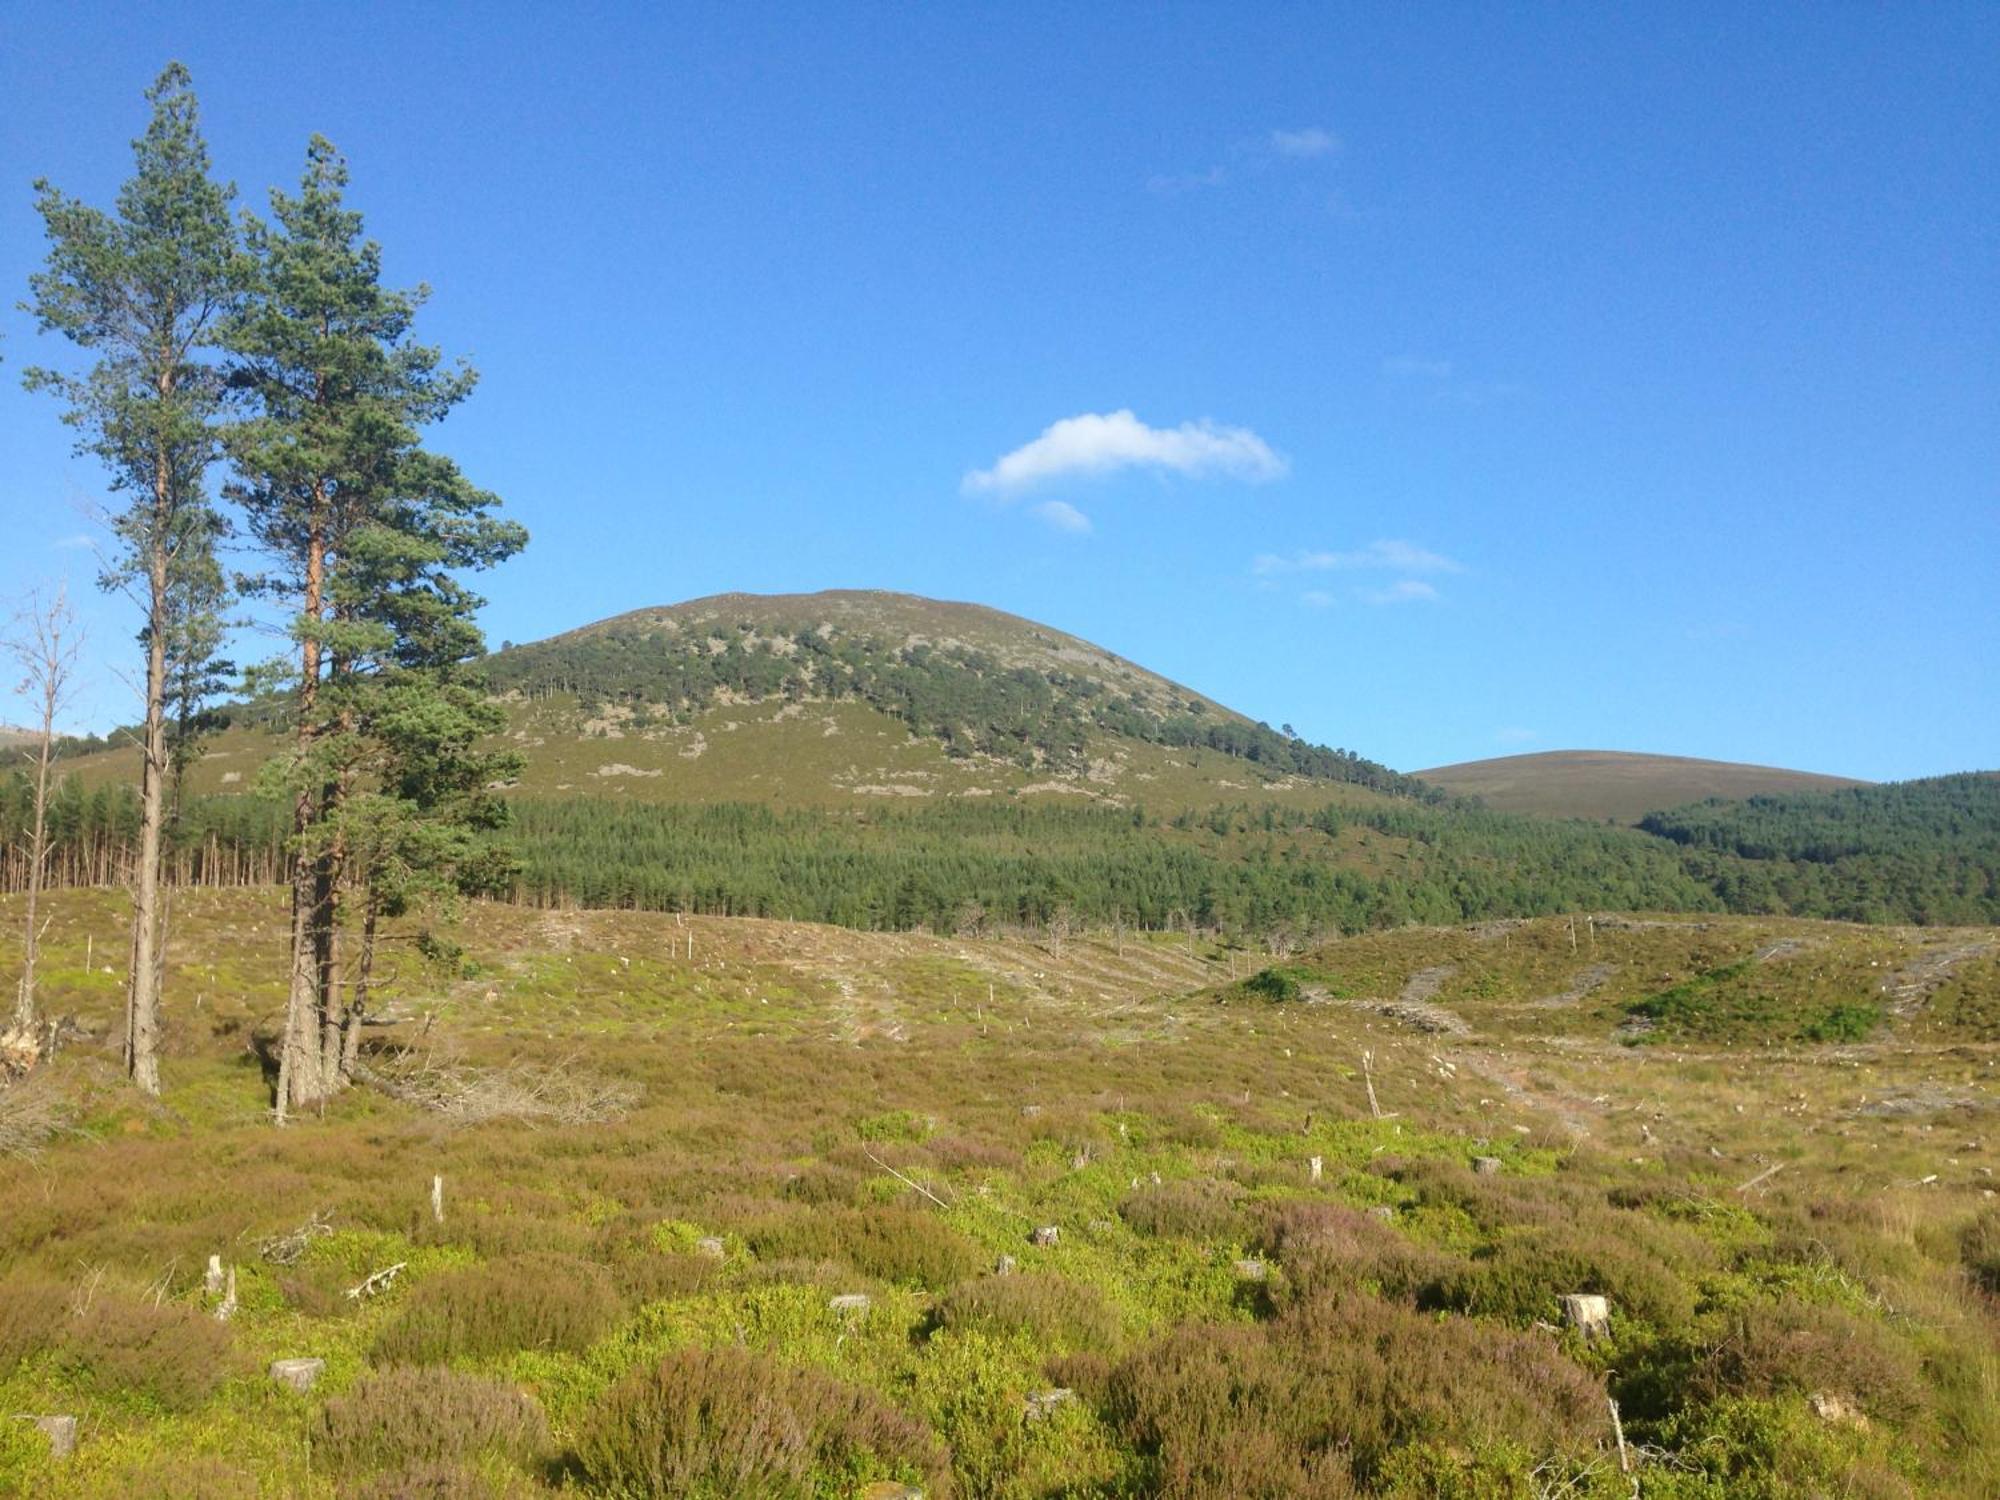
[{"x": 647, "y": 1305}]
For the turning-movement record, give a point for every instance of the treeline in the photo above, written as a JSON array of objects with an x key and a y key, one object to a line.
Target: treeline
[
  {"x": 1916, "y": 851},
  {"x": 93, "y": 838},
  {"x": 962, "y": 867},
  {"x": 967, "y": 699},
  {"x": 1250, "y": 868}
]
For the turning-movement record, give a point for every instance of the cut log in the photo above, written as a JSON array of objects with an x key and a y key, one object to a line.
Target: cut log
[{"x": 299, "y": 1374}]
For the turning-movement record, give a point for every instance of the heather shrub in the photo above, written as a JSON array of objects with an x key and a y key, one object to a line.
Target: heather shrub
[
  {"x": 824, "y": 1185},
  {"x": 658, "y": 1278},
  {"x": 1520, "y": 1279},
  {"x": 1979, "y": 1251},
  {"x": 892, "y": 1244},
  {"x": 1199, "y": 1208},
  {"x": 1328, "y": 1247},
  {"x": 522, "y": 1302},
  {"x": 1802, "y": 1348},
  {"x": 1318, "y": 1398},
  {"x": 173, "y": 1357},
  {"x": 965, "y": 1153},
  {"x": 32, "y": 1315},
  {"x": 1061, "y": 1313},
  {"x": 714, "y": 1423},
  {"x": 397, "y": 1418}
]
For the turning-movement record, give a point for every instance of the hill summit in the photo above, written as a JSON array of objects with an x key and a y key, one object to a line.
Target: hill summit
[{"x": 967, "y": 699}]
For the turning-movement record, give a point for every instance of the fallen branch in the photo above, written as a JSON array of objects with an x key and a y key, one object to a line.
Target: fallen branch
[
  {"x": 558, "y": 1094},
  {"x": 1764, "y": 1176},
  {"x": 376, "y": 1281},
  {"x": 909, "y": 1182},
  {"x": 285, "y": 1249}
]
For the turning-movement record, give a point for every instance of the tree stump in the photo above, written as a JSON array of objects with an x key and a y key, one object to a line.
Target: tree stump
[
  {"x": 300, "y": 1374},
  {"x": 1047, "y": 1234},
  {"x": 1044, "y": 1403},
  {"x": 711, "y": 1245},
  {"x": 1589, "y": 1315},
  {"x": 1486, "y": 1166},
  {"x": 850, "y": 1303},
  {"x": 1315, "y": 1166},
  {"x": 60, "y": 1431},
  {"x": 1249, "y": 1270}
]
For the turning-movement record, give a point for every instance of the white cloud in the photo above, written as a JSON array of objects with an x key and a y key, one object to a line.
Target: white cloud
[
  {"x": 1316, "y": 599},
  {"x": 1312, "y": 141},
  {"x": 1412, "y": 366},
  {"x": 78, "y": 543},
  {"x": 1104, "y": 444},
  {"x": 1064, "y": 517},
  {"x": 1402, "y": 591},
  {"x": 1387, "y": 554},
  {"x": 1515, "y": 736}
]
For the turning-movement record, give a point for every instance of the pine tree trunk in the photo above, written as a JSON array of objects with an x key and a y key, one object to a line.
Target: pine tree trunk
[
  {"x": 302, "y": 1082},
  {"x": 142, "y": 1039},
  {"x": 38, "y": 855}
]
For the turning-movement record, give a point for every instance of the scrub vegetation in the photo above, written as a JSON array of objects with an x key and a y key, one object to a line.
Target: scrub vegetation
[{"x": 1312, "y": 1220}]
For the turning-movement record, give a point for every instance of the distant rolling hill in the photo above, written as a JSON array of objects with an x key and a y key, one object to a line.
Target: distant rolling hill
[
  {"x": 1614, "y": 784},
  {"x": 883, "y": 760}
]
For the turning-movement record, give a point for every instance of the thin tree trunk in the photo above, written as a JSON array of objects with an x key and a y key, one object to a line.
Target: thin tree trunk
[
  {"x": 364, "y": 977},
  {"x": 143, "y": 1014},
  {"x": 38, "y": 852},
  {"x": 301, "y": 1074}
]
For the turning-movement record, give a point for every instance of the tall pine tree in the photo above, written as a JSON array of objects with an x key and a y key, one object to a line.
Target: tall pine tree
[
  {"x": 146, "y": 289},
  {"x": 365, "y": 532}
]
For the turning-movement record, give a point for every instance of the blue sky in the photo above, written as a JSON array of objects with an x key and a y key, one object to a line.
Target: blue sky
[{"x": 1444, "y": 381}]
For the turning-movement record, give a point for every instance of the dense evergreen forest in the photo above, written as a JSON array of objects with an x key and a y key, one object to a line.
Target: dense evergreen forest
[
  {"x": 968, "y": 699},
  {"x": 1926, "y": 852},
  {"x": 1913, "y": 851}
]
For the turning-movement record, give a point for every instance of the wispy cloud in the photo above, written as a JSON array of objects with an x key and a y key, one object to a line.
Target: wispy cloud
[
  {"x": 1316, "y": 599},
  {"x": 1169, "y": 184},
  {"x": 1416, "y": 367},
  {"x": 1402, "y": 591},
  {"x": 80, "y": 542},
  {"x": 1064, "y": 517},
  {"x": 1258, "y": 154},
  {"x": 1311, "y": 141},
  {"x": 1439, "y": 380},
  {"x": 1386, "y": 554},
  {"x": 1096, "y": 444},
  {"x": 1514, "y": 735}
]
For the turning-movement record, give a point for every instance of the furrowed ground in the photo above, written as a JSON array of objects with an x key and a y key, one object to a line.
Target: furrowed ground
[{"x": 668, "y": 1145}]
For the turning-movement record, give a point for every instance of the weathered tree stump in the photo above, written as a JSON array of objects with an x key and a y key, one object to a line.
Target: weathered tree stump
[
  {"x": 850, "y": 1303},
  {"x": 1315, "y": 1166},
  {"x": 1486, "y": 1166},
  {"x": 60, "y": 1431},
  {"x": 1249, "y": 1270},
  {"x": 1589, "y": 1315},
  {"x": 1041, "y": 1404},
  {"x": 300, "y": 1374},
  {"x": 711, "y": 1245},
  {"x": 1047, "y": 1234},
  {"x": 1005, "y": 1266}
]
